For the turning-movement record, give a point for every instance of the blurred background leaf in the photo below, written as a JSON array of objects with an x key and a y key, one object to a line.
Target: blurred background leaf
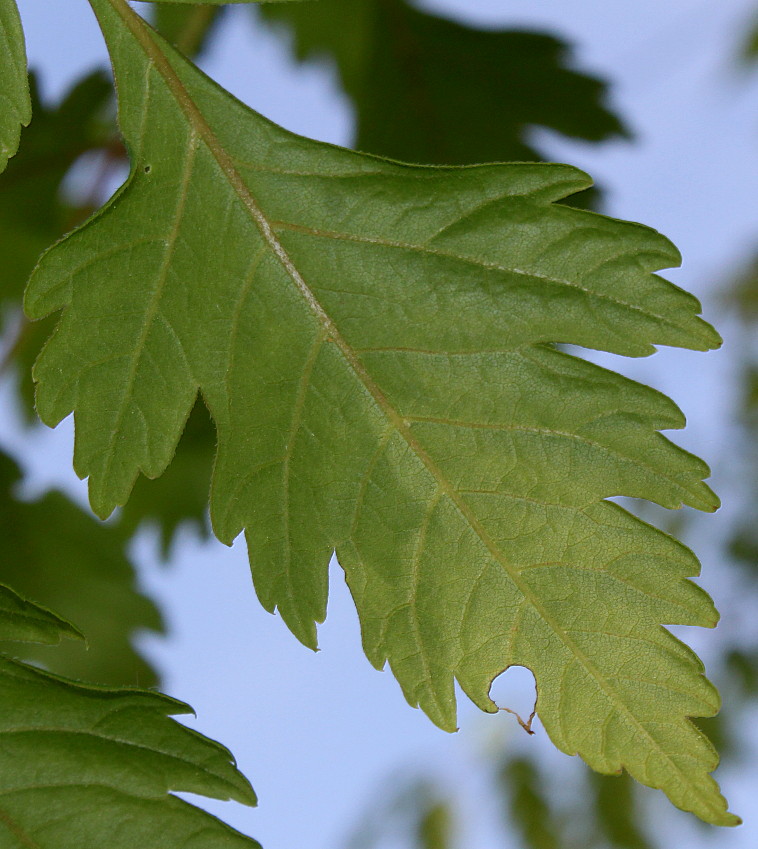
[
  {"x": 525, "y": 807},
  {"x": 189, "y": 28},
  {"x": 63, "y": 558},
  {"x": 433, "y": 91},
  {"x": 412, "y": 810},
  {"x": 34, "y": 210}
]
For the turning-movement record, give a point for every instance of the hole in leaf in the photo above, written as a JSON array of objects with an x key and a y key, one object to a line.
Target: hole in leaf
[{"x": 515, "y": 691}]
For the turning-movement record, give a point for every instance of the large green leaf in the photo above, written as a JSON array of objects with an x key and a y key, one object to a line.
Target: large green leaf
[
  {"x": 15, "y": 105},
  {"x": 505, "y": 82},
  {"x": 85, "y": 767},
  {"x": 54, "y": 552},
  {"x": 372, "y": 342},
  {"x": 427, "y": 89}
]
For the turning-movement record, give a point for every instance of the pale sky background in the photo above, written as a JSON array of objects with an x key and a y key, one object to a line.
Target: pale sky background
[{"x": 320, "y": 736}]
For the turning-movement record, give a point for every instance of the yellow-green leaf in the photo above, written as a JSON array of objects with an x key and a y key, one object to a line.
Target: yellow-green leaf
[{"x": 373, "y": 342}]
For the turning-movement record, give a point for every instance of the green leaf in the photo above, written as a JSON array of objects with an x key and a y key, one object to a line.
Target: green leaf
[
  {"x": 21, "y": 621},
  {"x": 15, "y": 105},
  {"x": 372, "y": 342},
  {"x": 84, "y": 767},
  {"x": 79, "y": 567},
  {"x": 430, "y": 90}
]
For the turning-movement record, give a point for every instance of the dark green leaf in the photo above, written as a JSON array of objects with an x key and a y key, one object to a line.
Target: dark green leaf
[
  {"x": 188, "y": 28},
  {"x": 430, "y": 90},
  {"x": 54, "y": 552},
  {"x": 85, "y": 768},
  {"x": 23, "y": 622}
]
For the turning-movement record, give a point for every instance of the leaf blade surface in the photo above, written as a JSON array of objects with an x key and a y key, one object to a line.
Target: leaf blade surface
[
  {"x": 16, "y": 104},
  {"x": 321, "y": 299},
  {"x": 84, "y": 766}
]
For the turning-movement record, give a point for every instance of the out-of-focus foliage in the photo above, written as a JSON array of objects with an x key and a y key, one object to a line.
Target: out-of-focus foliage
[
  {"x": 181, "y": 494},
  {"x": 744, "y": 544},
  {"x": 60, "y": 555},
  {"x": 587, "y": 811},
  {"x": 749, "y": 46},
  {"x": 429, "y": 90},
  {"x": 600, "y": 811},
  {"x": 188, "y": 28},
  {"x": 414, "y": 811},
  {"x": 526, "y": 808},
  {"x": 34, "y": 209},
  {"x": 617, "y": 816}
]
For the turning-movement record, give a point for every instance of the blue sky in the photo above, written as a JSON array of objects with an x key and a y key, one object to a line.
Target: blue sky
[{"x": 321, "y": 735}]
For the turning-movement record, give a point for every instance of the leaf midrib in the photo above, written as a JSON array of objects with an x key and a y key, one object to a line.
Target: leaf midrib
[{"x": 142, "y": 34}]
